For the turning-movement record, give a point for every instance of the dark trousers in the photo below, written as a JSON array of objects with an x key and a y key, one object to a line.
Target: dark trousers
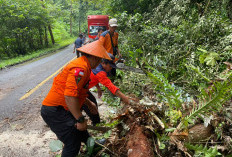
[
  {"x": 62, "y": 124},
  {"x": 77, "y": 53},
  {"x": 95, "y": 118},
  {"x": 113, "y": 74}
]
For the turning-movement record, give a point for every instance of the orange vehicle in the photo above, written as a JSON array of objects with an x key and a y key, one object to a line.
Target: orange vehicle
[{"x": 96, "y": 21}]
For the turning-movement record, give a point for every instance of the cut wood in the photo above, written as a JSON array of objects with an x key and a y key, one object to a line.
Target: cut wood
[{"x": 138, "y": 144}]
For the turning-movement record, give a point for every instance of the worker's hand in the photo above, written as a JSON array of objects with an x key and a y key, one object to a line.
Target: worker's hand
[
  {"x": 129, "y": 101},
  {"x": 126, "y": 100},
  {"x": 119, "y": 54},
  {"x": 99, "y": 93},
  {"x": 82, "y": 126},
  {"x": 73, "y": 51},
  {"x": 92, "y": 108}
]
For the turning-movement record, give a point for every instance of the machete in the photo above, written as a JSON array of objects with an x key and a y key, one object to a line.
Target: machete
[{"x": 98, "y": 128}]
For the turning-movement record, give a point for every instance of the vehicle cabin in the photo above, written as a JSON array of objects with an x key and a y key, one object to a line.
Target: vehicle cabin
[{"x": 96, "y": 21}]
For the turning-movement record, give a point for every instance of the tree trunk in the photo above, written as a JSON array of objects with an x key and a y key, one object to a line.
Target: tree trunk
[
  {"x": 18, "y": 47},
  {"x": 229, "y": 11},
  {"x": 45, "y": 36},
  {"x": 40, "y": 38},
  {"x": 50, "y": 31},
  {"x": 80, "y": 14},
  {"x": 71, "y": 19},
  {"x": 51, "y": 34},
  {"x": 31, "y": 40}
]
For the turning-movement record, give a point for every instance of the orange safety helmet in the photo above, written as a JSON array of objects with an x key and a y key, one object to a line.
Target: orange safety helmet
[{"x": 95, "y": 49}]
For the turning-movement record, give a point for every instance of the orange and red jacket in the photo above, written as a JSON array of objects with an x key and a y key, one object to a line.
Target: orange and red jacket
[
  {"x": 99, "y": 75},
  {"x": 72, "y": 81}
]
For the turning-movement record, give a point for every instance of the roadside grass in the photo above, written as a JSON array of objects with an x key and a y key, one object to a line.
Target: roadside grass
[{"x": 36, "y": 54}]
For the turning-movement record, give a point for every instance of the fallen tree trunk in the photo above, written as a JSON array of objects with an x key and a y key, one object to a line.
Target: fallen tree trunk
[
  {"x": 138, "y": 144},
  {"x": 132, "y": 138}
]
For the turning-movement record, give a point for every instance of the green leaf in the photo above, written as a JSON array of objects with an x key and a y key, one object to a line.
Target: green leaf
[
  {"x": 162, "y": 146},
  {"x": 170, "y": 129},
  {"x": 105, "y": 155},
  {"x": 210, "y": 61},
  {"x": 211, "y": 58},
  {"x": 202, "y": 50},
  {"x": 107, "y": 134},
  {"x": 21, "y": 16},
  {"x": 202, "y": 58},
  {"x": 203, "y": 151},
  {"x": 90, "y": 145},
  {"x": 55, "y": 145}
]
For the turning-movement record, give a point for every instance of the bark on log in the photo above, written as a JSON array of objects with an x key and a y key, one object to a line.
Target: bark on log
[{"x": 138, "y": 144}]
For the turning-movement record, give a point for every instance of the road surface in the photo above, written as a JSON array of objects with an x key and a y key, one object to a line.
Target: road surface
[{"x": 16, "y": 81}]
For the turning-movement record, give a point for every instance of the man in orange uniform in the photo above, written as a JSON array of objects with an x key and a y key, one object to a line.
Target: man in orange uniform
[
  {"x": 99, "y": 75},
  {"x": 109, "y": 39},
  {"x": 111, "y": 46},
  {"x": 61, "y": 107}
]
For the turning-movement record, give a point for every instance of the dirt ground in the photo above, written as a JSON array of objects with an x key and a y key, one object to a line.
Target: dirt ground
[{"x": 27, "y": 134}]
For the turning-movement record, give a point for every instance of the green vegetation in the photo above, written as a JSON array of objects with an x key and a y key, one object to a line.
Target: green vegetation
[
  {"x": 36, "y": 54},
  {"x": 37, "y": 26},
  {"x": 203, "y": 151},
  {"x": 184, "y": 48}
]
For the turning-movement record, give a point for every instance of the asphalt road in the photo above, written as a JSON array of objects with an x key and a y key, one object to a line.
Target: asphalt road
[{"x": 18, "y": 80}]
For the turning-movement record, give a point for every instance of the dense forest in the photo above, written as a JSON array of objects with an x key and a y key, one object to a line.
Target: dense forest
[
  {"x": 184, "y": 47},
  {"x": 27, "y": 26}
]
